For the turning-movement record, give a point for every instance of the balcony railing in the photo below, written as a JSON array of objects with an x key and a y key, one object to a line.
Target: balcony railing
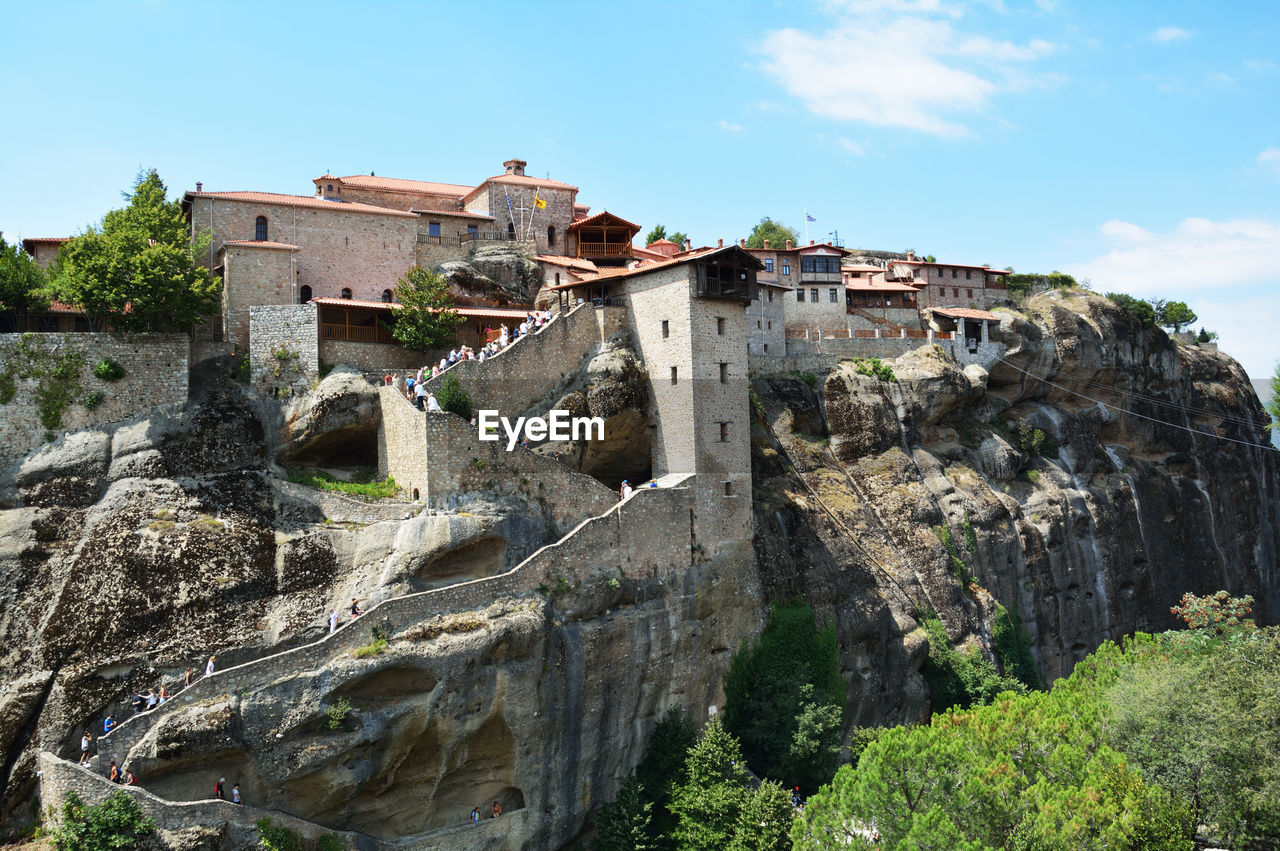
[
  {"x": 357, "y": 333},
  {"x": 604, "y": 249}
]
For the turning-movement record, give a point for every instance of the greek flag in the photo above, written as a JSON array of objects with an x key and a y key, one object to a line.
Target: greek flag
[{"x": 809, "y": 218}]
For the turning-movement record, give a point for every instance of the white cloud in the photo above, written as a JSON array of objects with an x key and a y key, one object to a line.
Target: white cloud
[
  {"x": 851, "y": 146},
  {"x": 1270, "y": 160},
  {"x": 1164, "y": 35},
  {"x": 1046, "y": 5},
  {"x": 912, "y": 71},
  {"x": 1259, "y": 65},
  {"x": 732, "y": 128},
  {"x": 1227, "y": 271}
]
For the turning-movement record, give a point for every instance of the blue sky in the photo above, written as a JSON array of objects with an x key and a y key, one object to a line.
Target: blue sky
[{"x": 1137, "y": 144}]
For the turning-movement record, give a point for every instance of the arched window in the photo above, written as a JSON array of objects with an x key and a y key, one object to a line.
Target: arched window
[
  {"x": 557, "y": 279},
  {"x": 260, "y": 229},
  {"x": 386, "y": 296},
  {"x": 346, "y": 292},
  {"x": 304, "y": 294},
  {"x": 551, "y": 235},
  {"x": 330, "y": 187},
  {"x": 511, "y": 231}
]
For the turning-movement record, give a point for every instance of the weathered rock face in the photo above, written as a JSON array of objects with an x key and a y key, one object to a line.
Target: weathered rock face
[
  {"x": 1090, "y": 539},
  {"x": 335, "y": 424},
  {"x": 496, "y": 275}
]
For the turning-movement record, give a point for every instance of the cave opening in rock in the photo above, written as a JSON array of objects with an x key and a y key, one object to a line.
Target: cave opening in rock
[{"x": 472, "y": 560}]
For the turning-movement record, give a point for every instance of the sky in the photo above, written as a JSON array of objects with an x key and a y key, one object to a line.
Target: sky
[{"x": 1133, "y": 144}]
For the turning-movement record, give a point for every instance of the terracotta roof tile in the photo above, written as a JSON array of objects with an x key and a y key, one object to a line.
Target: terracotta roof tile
[
  {"x": 864, "y": 285},
  {"x": 520, "y": 180},
  {"x": 966, "y": 313},
  {"x": 461, "y": 213},
  {"x": 46, "y": 240},
  {"x": 604, "y": 214},
  {"x": 253, "y": 243},
  {"x": 312, "y": 201},
  {"x": 570, "y": 262},
  {"x": 399, "y": 184}
]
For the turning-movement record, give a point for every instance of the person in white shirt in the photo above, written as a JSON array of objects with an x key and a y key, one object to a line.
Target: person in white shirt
[
  {"x": 333, "y": 621},
  {"x": 625, "y": 491},
  {"x": 444, "y": 363},
  {"x": 432, "y": 404},
  {"x": 208, "y": 668}
]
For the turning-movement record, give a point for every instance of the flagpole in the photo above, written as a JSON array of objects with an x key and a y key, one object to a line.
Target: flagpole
[
  {"x": 806, "y": 226},
  {"x": 533, "y": 213},
  {"x": 510, "y": 212}
]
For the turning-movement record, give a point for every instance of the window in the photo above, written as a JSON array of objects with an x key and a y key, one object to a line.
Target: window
[
  {"x": 551, "y": 234},
  {"x": 728, "y": 488},
  {"x": 386, "y": 296},
  {"x": 766, "y": 348},
  {"x": 768, "y": 264},
  {"x": 799, "y": 295},
  {"x": 955, "y": 273},
  {"x": 832, "y": 294},
  {"x": 433, "y": 229},
  {"x": 557, "y": 279},
  {"x": 724, "y": 432},
  {"x": 813, "y": 295},
  {"x": 720, "y": 325},
  {"x": 346, "y": 292},
  {"x": 770, "y": 325},
  {"x": 968, "y": 274},
  {"x": 969, "y": 293},
  {"x": 666, "y": 332},
  {"x": 330, "y": 187},
  {"x": 304, "y": 294},
  {"x": 955, "y": 291},
  {"x": 786, "y": 267},
  {"x": 821, "y": 265},
  {"x": 511, "y": 231},
  {"x": 260, "y": 229},
  {"x": 473, "y": 231},
  {"x": 724, "y": 373},
  {"x": 770, "y": 295},
  {"x": 674, "y": 380}
]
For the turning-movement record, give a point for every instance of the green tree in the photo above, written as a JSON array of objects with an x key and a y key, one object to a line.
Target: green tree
[
  {"x": 1206, "y": 336},
  {"x": 425, "y": 319},
  {"x": 708, "y": 803},
  {"x": 679, "y": 237},
  {"x": 22, "y": 281},
  {"x": 117, "y": 822},
  {"x": 623, "y": 824},
  {"x": 663, "y": 768},
  {"x": 1136, "y": 309},
  {"x": 453, "y": 398},
  {"x": 1173, "y": 314},
  {"x": 785, "y": 700},
  {"x": 775, "y": 232},
  {"x": 658, "y": 232},
  {"x": 764, "y": 822},
  {"x": 138, "y": 270}
]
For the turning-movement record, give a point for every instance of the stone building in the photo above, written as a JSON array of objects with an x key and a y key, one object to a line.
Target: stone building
[
  {"x": 817, "y": 300},
  {"x": 949, "y": 284},
  {"x": 767, "y": 319},
  {"x": 43, "y": 249}
]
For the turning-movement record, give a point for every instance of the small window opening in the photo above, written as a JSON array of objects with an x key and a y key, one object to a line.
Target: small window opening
[
  {"x": 260, "y": 229},
  {"x": 720, "y": 325},
  {"x": 673, "y": 375},
  {"x": 304, "y": 294},
  {"x": 346, "y": 292},
  {"x": 386, "y": 296},
  {"x": 724, "y": 432},
  {"x": 724, "y": 373},
  {"x": 666, "y": 332}
]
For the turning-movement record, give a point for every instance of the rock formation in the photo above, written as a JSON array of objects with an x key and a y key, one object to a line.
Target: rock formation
[
  {"x": 132, "y": 553},
  {"x": 496, "y": 275}
]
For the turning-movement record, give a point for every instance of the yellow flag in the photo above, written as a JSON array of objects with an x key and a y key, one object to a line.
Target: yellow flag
[{"x": 539, "y": 203}]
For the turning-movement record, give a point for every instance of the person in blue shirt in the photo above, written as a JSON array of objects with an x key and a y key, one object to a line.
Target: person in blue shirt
[{"x": 108, "y": 725}]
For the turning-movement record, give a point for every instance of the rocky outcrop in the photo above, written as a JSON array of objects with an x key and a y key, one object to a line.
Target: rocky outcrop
[
  {"x": 496, "y": 275},
  {"x": 1146, "y": 481},
  {"x": 336, "y": 424}
]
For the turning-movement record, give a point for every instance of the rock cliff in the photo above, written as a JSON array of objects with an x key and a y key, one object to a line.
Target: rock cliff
[{"x": 1086, "y": 479}]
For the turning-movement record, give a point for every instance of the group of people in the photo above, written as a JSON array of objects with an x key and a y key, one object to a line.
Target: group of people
[
  {"x": 494, "y": 812},
  {"x": 414, "y": 387},
  {"x": 333, "y": 615},
  {"x": 626, "y": 490},
  {"x": 219, "y": 791}
]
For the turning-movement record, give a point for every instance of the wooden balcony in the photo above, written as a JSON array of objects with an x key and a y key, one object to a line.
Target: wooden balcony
[
  {"x": 357, "y": 333},
  {"x": 604, "y": 249}
]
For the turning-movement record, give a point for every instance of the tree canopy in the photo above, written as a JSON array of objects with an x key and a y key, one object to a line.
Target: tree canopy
[
  {"x": 425, "y": 319},
  {"x": 1173, "y": 314},
  {"x": 660, "y": 232},
  {"x": 1273, "y": 407},
  {"x": 776, "y": 232},
  {"x": 1136, "y": 309},
  {"x": 22, "y": 281},
  {"x": 138, "y": 270}
]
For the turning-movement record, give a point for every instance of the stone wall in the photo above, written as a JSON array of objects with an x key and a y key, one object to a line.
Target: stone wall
[
  {"x": 525, "y": 372},
  {"x": 371, "y": 357},
  {"x": 253, "y": 275},
  {"x": 766, "y": 322},
  {"x": 339, "y": 247},
  {"x": 804, "y": 357},
  {"x": 402, "y": 444},
  {"x": 155, "y": 373},
  {"x": 938, "y": 288},
  {"x": 492, "y": 200},
  {"x": 276, "y": 331},
  {"x": 823, "y": 314},
  {"x": 648, "y": 535}
]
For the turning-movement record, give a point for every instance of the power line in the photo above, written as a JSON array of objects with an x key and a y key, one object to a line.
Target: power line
[
  {"x": 1134, "y": 414},
  {"x": 1185, "y": 409}
]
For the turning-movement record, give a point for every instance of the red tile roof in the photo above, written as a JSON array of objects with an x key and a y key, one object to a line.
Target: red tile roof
[
  {"x": 520, "y": 180},
  {"x": 61, "y": 307},
  {"x": 957, "y": 265},
  {"x": 398, "y": 184},
  {"x": 461, "y": 213},
  {"x": 864, "y": 285},
  {"x": 282, "y": 200},
  {"x": 253, "y": 243},
  {"x": 966, "y": 313},
  {"x": 647, "y": 254},
  {"x": 684, "y": 257},
  {"x": 570, "y": 262},
  {"x": 605, "y": 217},
  {"x": 465, "y": 310},
  {"x": 46, "y": 240}
]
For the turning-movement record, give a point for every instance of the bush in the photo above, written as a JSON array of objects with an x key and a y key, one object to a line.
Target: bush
[
  {"x": 960, "y": 679},
  {"x": 875, "y": 368},
  {"x": 1136, "y": 309},
  {"x": 8, "y": 388},
  {"x": 118, "y": 822},
  {"x": 108, "y": 370},
  {"x": 338, "y": 713},
  {"x": 277, "y": 838},
  {"x": 784, "y": 699},
  {"x": 453, "y": 398},
  {"x": 323, "y": 481},
  {"x": 94, "y": 399}
]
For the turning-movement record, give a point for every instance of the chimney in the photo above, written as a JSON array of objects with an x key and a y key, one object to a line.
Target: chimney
[
  {"x": 911, "y": 255},
  {"x": 515, "y": 166},
  {"x": 766, "y": 245},
  {"x": 688, "y": 246},
  {"x": 719, "y": 243},
  {"x": 742, "y": 243},
  {"x": 199, "y": 186},
  {"x": 811, "y": 242},
  {"x": 788, "y": 245}
]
